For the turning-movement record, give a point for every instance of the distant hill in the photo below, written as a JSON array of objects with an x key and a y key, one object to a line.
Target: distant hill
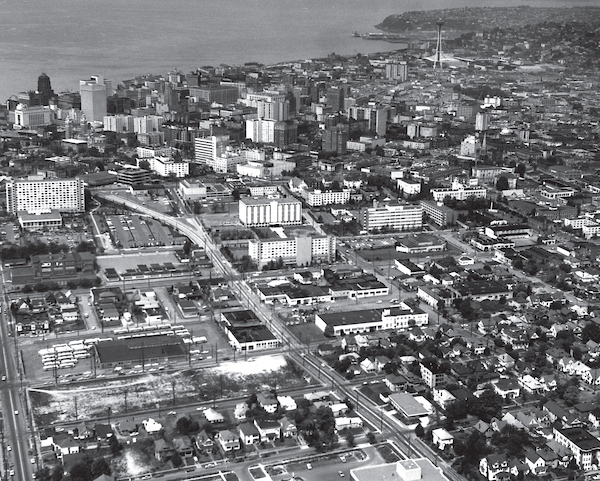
[{"x": 486, "y": 18}]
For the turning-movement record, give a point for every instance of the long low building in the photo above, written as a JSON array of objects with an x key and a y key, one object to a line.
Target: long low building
[
  {"x": 402, "y": 317},
  {"x": 410, "y": 409},
  {"x": 140, "y": 351}
]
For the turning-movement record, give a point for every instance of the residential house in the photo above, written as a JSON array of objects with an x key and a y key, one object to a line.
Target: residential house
[
  {"x": 494, "y": 467},
  {"x": 240, "y": 410},
  {"x": 151, "y": 426},
  {"x": 591, "y": 377},
  {"x": 443, "y": 398},
  {"x": 368, "y": 365},
  {"x": 85, "y": 430},
  {"x": 505, "y": 361},
  {"x": 531, "y": 384},
  {"x": 396, "y": 382},
  {"x": 203, "y": 441},
  {"x": 126, "y": 428},
  {"x": 183, "y": 445},
  {"x": 507, "y": 388},
  {"x": 442, "y": 438},
  {"x": 162, "y": 449},
  {"x": 535, "y": 462},
  {"x": 268, "y": 402},
  {"x": 555, "y": 412},
  {"x": 227, "y": 440},
  {"x": 288, "y": 427},
  {"x": 287, "y": 403},
  {"x": 484, "y": 428},
  {"x": 269, "y": 430},
  {"x": 563, "y": 453},
  {"x": 381, "y": 362},
  {"x": 248, "y": 434},
  {"x": 213, "y": 417},
  {"x": 64, "y": 444}
]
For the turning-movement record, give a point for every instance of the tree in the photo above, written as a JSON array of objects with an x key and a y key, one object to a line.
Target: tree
[
  {"x": 511, "y": 440},
  {"x": 487, "y": 405},
  {"x": 176, "y": 460},
  {"x": 81, "y": 471},
  {"x": 591, "y": 331},
  {"x": 115, "y": 446},
  {"x": 144, "y": 164},
  {"x": 419, "y": 430},
  {"x": 520, "y": 169},
  {"x": 99, "y": 467},
  {"x": 186, "y": 425},
  {"x": 502, "y": 183},
  {"x": 350, "y": 439},
  {"x": 132, "y": 140}
]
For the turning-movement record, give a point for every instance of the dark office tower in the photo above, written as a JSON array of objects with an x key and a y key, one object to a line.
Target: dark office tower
[
  {"x": 335, "y": 98},
  {"x": 45, "y": 89},
  {"x": 335, "y": 138}
]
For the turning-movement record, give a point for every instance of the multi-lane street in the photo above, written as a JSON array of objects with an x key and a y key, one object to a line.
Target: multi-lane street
[
  {"x": 192, "y": 228},
  {"x": 14, "y": 433}
]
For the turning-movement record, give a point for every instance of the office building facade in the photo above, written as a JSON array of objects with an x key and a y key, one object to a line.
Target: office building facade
[
  {"x": 300, "y": 251},
  {"x": 93, "y": 100},
  {"x": 264, "y": 212},
  {"x": 396, "y": 217},
  {"x": 43, "y": 196}
]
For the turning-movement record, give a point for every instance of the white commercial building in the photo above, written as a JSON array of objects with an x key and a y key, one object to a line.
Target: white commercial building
[
  {"x": 262, "y": 212},
  {"x": 265, "y": 169},
  {"x": 401, "y": 317},
  {"x": 261, "y": 130},
  {"x": 301, "y": 251},
  {"x": 192, "y": 190},
  {"x": 93, "y": 99},
  {"x": 397, "y": 217},
  {"x": 149, "y": 152},
  {"x": 459, "y": 191},
  {"x": 43, "y": 196},
  {"x": 147, "y": 124},
  {"x": 208, "y": 148},
  {"x": 118, "y": 123},
  {"x": 409, "y": 186},
  {"x": 165, "y": 166},
  {"x": 31, "y": 117},
  {"x": 318, "y": 197}
]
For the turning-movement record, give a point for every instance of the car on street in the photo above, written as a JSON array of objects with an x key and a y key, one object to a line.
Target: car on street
[
  {"x": 308, "y": 466},
  {"x": 4, "y": 378},
  {"x": 8, "y": 447},
  {"x": 341, "y": 473},
  {"x": 16, "y": 412}
]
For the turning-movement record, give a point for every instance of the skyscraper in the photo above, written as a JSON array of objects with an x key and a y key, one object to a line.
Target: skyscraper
[
  {"x": 45, "y": 89},
  {"x": 93, "y": 99}
]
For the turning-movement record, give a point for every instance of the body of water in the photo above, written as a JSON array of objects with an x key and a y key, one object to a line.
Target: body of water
[{"x": 118, "y": 39}]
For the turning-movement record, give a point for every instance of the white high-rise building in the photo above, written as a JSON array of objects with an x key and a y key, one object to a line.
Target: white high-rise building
[
  {"x": 261, "y": 130},
  {"x": 147, "y": 124},
  {"x": 118, "y": 123},
  {"x": 208, "y": 148},
  {"x": 265, "y": 212},
  {"x": 43, "y": 196},
  {"x": 93, "y": 100}
]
